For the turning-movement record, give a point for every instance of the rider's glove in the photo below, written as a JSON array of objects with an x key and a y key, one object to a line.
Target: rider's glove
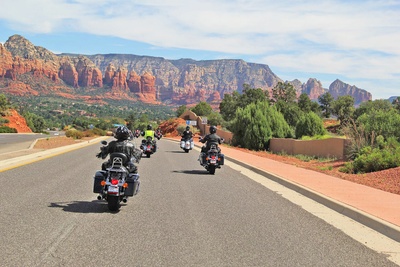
[{"x": 98, "y": 155}]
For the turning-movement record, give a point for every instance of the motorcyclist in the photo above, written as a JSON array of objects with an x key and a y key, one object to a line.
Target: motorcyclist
[
  {"x": 158, "y": 134},
  {"x": 187, "y": 134},
  {"x": 150, "y": 133},
  {"x": 209, "y": 139},
  {"x": 121, "y": 145}
]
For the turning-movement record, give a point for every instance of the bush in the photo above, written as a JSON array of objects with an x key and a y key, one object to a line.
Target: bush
[
  {"x": 371, "y": 159},
  {"x": 73, "y": 133},
  {"x": 6, "y": 129},
  {"x": 376, "y": 159},
  {"x": 309, "y": 124}
]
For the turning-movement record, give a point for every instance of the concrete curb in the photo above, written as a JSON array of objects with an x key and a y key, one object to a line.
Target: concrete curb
[{"x": 385, "y": 228}]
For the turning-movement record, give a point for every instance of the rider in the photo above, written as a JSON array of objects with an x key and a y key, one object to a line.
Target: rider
[
  {"x": 150, "y": 133},
  {"x": 122, "y": 145},
  {"x": 187, "y": 134},
  {"x": 209, "y": 139},
  {"x": 158, "y": 133}
]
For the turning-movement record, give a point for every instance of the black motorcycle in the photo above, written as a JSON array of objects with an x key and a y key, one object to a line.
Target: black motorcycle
[
  {"x": 212, "y": 159},
  {"x": 116, "y": 183},
  {"x": 148, "y": 147}
]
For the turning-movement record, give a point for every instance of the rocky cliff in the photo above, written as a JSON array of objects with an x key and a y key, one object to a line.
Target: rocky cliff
[{"x": 28, "y": 69}]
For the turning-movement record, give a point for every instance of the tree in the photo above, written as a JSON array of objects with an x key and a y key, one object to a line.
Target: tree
[
  {"x": 381, "y": 122},
  {"x": 370, "y": 106},
  {"x": 283, "y": 91},
  {"x": 35, "y": 122},
  {"x": 396, "y": 103},
  {"x": 343, "y": 108},
  {"x": 326, "y": 101},
  {"x": 306, "y": 105},
  {"x": 229, "y": 105},
  {"x": 214, "y": 118},
  {"x": 310, "y": 124},
  {"x": 202, "y": 109},
  {"x": 256, "y": 124},
  {"x": 131, "y": 121},
  {"x": 232, "y": 102},
  {"x": 4, "y": 103},
  {"x": 180, "y": 110}
]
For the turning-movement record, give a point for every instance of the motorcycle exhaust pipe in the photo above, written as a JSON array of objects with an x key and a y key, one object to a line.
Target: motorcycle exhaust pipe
[
  {"x": 98, "y": 197},
  {"x": 124, "y": 200}
]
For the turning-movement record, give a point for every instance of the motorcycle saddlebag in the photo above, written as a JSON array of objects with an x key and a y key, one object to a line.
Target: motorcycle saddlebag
[
  {"x": 222, "y": 159},
  {"x": 98, "y": 177},
  {"x": 133, "y": 184}
]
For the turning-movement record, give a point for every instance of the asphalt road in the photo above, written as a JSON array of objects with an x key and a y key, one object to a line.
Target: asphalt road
[
  {"x": 182, "y": 216},
  {"x": 10, "y": 142}
]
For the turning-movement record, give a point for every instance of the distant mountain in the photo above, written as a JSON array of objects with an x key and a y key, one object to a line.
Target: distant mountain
[{"x": 33, "y": 70}]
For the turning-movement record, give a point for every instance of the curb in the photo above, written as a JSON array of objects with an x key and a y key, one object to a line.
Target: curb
[{"x": 383, "y": 227}]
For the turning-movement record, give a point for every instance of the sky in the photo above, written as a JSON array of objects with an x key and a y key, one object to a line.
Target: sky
[{"x": 355, "y": 41}]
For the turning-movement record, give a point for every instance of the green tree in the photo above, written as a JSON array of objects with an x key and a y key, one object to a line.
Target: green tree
[
  {"x": 4, "y": 103},
  {"x": 284, "y": 92},
  {"x": 131, "y": 121},
  {"x": 306, "y": 105},
  {"x": 396, "y": 103},
  {"x": 326, "y": 101},
  {"x": 35, "y": 122},
  {"x": 228, "y": 106},
  {"x": 181, "y": 109},
  {"x": 256, "y": 124},
  {"x": 232, "y": 102},
  {"x": 369, "y": 106},
  {"x": 202, "y": 109},
  {"x": 381, "y": 122},
  {"x": 310, "y": 124},
  {"x": 343, "y": 108},
  {"x": 215, "y": 118}
]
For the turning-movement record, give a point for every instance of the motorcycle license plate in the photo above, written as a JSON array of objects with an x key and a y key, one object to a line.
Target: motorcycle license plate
[
  {"x": 113, "y": 189},
  {"x": 213, "y": 161}
]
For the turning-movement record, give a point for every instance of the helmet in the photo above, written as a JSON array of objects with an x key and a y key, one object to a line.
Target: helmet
[
  {"x": 213, "y": 129},
  {"x": 122, "y": 133},
  {"x": 187, "y": 128},
  {"x": 149, "y": 127}
]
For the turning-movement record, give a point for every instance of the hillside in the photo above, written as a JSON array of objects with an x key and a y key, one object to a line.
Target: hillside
[
  {"x": 29, "y": 70},
  {"x": 17, "y": 122}
]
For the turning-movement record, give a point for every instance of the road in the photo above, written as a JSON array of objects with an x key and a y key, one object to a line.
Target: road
[
  {"x": 10, "y": 142},
  {"x": 182, "y": 216}
]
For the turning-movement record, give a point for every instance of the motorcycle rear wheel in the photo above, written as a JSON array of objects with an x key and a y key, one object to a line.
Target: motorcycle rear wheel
[
  {"x": 211, "y": 169},
  {"x": 113, "y": 203}
]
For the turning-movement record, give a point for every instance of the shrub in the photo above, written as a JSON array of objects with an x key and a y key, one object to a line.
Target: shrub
[
  {"x": 6, "y": 129},
  {"x": 309, "y": 124},
  {"x": 73, "y": 133}
]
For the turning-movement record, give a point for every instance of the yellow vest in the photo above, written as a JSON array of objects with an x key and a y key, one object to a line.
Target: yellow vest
[{"x": 149, "y": 133}]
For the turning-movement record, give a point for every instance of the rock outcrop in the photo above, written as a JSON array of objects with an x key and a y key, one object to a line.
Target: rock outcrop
[{"x": 144, "y": 78}]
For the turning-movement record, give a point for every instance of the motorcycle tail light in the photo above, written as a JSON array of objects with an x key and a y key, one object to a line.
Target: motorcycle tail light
[
  {"x": 114, "y": 181},
  {"x": 125, "y": 185}
]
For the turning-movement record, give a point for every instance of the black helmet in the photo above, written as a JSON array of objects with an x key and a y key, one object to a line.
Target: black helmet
[
  {"x": 213, "y": 129},
  {"x": 149, "y": 127},
  {"x": 122, "y": 133},
  {"x": 187, "y": 128}
]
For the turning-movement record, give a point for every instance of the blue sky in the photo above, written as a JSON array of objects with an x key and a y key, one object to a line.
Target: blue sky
[{"x": 355, "y": 41}]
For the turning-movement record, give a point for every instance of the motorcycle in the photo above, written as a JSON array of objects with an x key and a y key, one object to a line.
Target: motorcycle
[
  {"x": 148, "y": 147},
  {"x": 187, "y": 144},
  {"x": 212, "y": 159},
  {"x": 116, "y": 183}
]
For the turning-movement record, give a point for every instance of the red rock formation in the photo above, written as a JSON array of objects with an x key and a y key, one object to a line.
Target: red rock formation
[
  {"x": 120, "y": 80},
  {"x": 134, "y": 82},
  {"x": 68, "y": 73},
  {"x": 17, "y": 122},
  {"x": 109, "y": 74}
]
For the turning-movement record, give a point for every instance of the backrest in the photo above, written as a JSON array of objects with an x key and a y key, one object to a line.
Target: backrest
[{"x": 118, "y": 159}]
